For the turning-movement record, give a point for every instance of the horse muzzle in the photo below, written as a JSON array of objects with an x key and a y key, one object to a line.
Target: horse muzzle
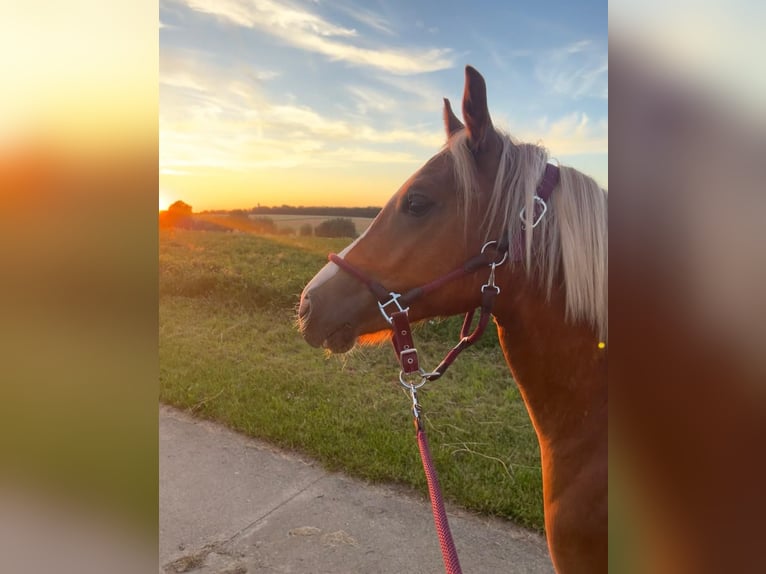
[{"x": 326, "y": 324}]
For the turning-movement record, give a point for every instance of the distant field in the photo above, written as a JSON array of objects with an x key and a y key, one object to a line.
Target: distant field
[
  {"x": 230, "y": 352},
  {"x": 295, "y": 221}
]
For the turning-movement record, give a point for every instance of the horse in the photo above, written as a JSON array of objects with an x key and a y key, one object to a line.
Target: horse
[{"x": 483, "y": 188}]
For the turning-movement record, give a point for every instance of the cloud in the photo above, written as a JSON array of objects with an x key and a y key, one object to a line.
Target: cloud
[
  {"x": 577, "y": 47},
  {"x": 308, "y": 31},
  {"x": 365, "y": 155},
  {"x": 170, "y": 171},
  {"x": 202, "y": 131},
  {"x": 305, "y": 119},
  {"x": 572, "y": 134},
  {"x": 366, "y": 17},
  {"x": 578, "y": 70},
  {"x": 370, "y": 100},
  {"x": 423, "y": 95},
  {"x": 196, "y": 69},
  {"x": 431, "y": 140},
  {"x": 268, "y": 14}
]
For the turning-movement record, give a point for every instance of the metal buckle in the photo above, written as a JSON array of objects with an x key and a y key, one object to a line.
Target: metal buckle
[
  {"x": 395, "y": 300},
  {"x": 407, "y": 352},
  {"x": 539, "y": 200}
]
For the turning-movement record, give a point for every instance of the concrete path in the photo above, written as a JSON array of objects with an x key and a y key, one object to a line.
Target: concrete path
[{"x": 233, "y": 505}]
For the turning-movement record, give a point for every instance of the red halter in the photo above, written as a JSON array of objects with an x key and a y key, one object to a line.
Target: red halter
[
  {"x": 402, "y": 333},
  {"x": 399, "y": 320}
]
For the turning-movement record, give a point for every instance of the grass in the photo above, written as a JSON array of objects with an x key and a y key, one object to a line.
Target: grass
[{"x": 229, "y": 352}]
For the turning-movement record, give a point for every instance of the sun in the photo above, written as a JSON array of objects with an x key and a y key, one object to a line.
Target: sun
[{"x": 164, "y": 201}]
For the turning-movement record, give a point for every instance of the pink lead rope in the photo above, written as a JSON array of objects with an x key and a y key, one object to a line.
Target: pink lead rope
[{"x": 447, "y": 544}]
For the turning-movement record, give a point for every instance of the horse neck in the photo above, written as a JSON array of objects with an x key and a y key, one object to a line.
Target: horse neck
[{"x": 560, "y": 371}]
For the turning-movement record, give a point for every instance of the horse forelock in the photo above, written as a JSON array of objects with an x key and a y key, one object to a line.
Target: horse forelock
[{"x": 570, "y": 241}]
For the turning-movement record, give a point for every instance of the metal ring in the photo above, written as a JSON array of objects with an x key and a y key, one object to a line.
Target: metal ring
[
  {"x": 413, "y": 386},
  {"x": 505, "y": 254}
]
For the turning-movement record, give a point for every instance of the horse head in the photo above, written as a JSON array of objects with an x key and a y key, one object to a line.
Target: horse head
[{"x": 423, "y": 232}]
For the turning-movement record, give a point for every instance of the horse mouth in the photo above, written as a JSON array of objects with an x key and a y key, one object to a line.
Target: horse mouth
[{"x": 340, "y": 340}]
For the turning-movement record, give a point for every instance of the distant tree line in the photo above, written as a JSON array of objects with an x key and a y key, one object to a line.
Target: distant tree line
[
  {"x": 318, "y": 211},
  {"x": 180, "y": 215},
  {"x": 338, "y": 227}
]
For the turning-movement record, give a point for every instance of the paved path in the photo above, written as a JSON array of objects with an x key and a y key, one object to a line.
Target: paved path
[{"x": 234, "y": 505}]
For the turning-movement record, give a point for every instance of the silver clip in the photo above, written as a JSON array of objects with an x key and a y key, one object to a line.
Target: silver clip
[
  {"x": 490, "y": 284},
  {"x": 415, "y": 403}
]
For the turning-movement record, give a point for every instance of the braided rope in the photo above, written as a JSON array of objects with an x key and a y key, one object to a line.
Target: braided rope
[{"x": 449, "y": 553}]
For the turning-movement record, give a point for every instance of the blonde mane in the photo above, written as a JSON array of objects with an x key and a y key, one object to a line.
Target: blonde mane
[{"x": 571, "y": 241}]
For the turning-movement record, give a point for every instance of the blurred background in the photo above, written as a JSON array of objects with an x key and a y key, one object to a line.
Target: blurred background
[
  {"x": 78, "y": 300},
  {"x": 688, "y": 270}
]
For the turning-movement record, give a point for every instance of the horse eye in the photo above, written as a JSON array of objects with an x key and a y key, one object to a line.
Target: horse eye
[{"x": 418, "y": 204}]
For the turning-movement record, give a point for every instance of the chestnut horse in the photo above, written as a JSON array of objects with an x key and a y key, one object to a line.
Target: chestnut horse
[{"x": 551, "y": 312}]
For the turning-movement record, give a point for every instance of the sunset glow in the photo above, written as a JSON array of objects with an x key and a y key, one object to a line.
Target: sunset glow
[
  {"x": 338, "y": 103},
  {"x": 164, "y": 201}
]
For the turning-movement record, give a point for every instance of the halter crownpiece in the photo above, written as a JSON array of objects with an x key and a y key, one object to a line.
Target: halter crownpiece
[
  {"x": 549, "y": 181},
  {"x": 542, "y": 196}
]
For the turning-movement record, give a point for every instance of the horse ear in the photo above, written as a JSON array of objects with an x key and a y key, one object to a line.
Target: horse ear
[
  {"x": 475, "y": 111},
  {"x": 451, "y": 123}
]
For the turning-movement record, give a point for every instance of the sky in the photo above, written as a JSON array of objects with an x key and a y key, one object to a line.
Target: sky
[{"x": 311, "y": 102}]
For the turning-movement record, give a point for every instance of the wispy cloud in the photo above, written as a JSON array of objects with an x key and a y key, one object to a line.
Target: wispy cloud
[
  {"x": 366, "y": 17},
  {"x": 366, "y": 155},
  {"x": 307, "y": 30},
  {"x": 577, "y": 70},
  {"x": 197, "y": 69},
  {"x": 572, "y": 134},
  {"x": 422, "y": 95},
  {"x": 576, "y": 47},
  {"x": 370, "y": 100},
  {"x": 211, "y": 118},
  {"x": 270, "y": 15},
  {"x": 305, "y": 119}
]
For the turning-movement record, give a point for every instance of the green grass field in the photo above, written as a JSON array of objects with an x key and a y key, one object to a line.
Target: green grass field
[{"x": 230, "y": 352}]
